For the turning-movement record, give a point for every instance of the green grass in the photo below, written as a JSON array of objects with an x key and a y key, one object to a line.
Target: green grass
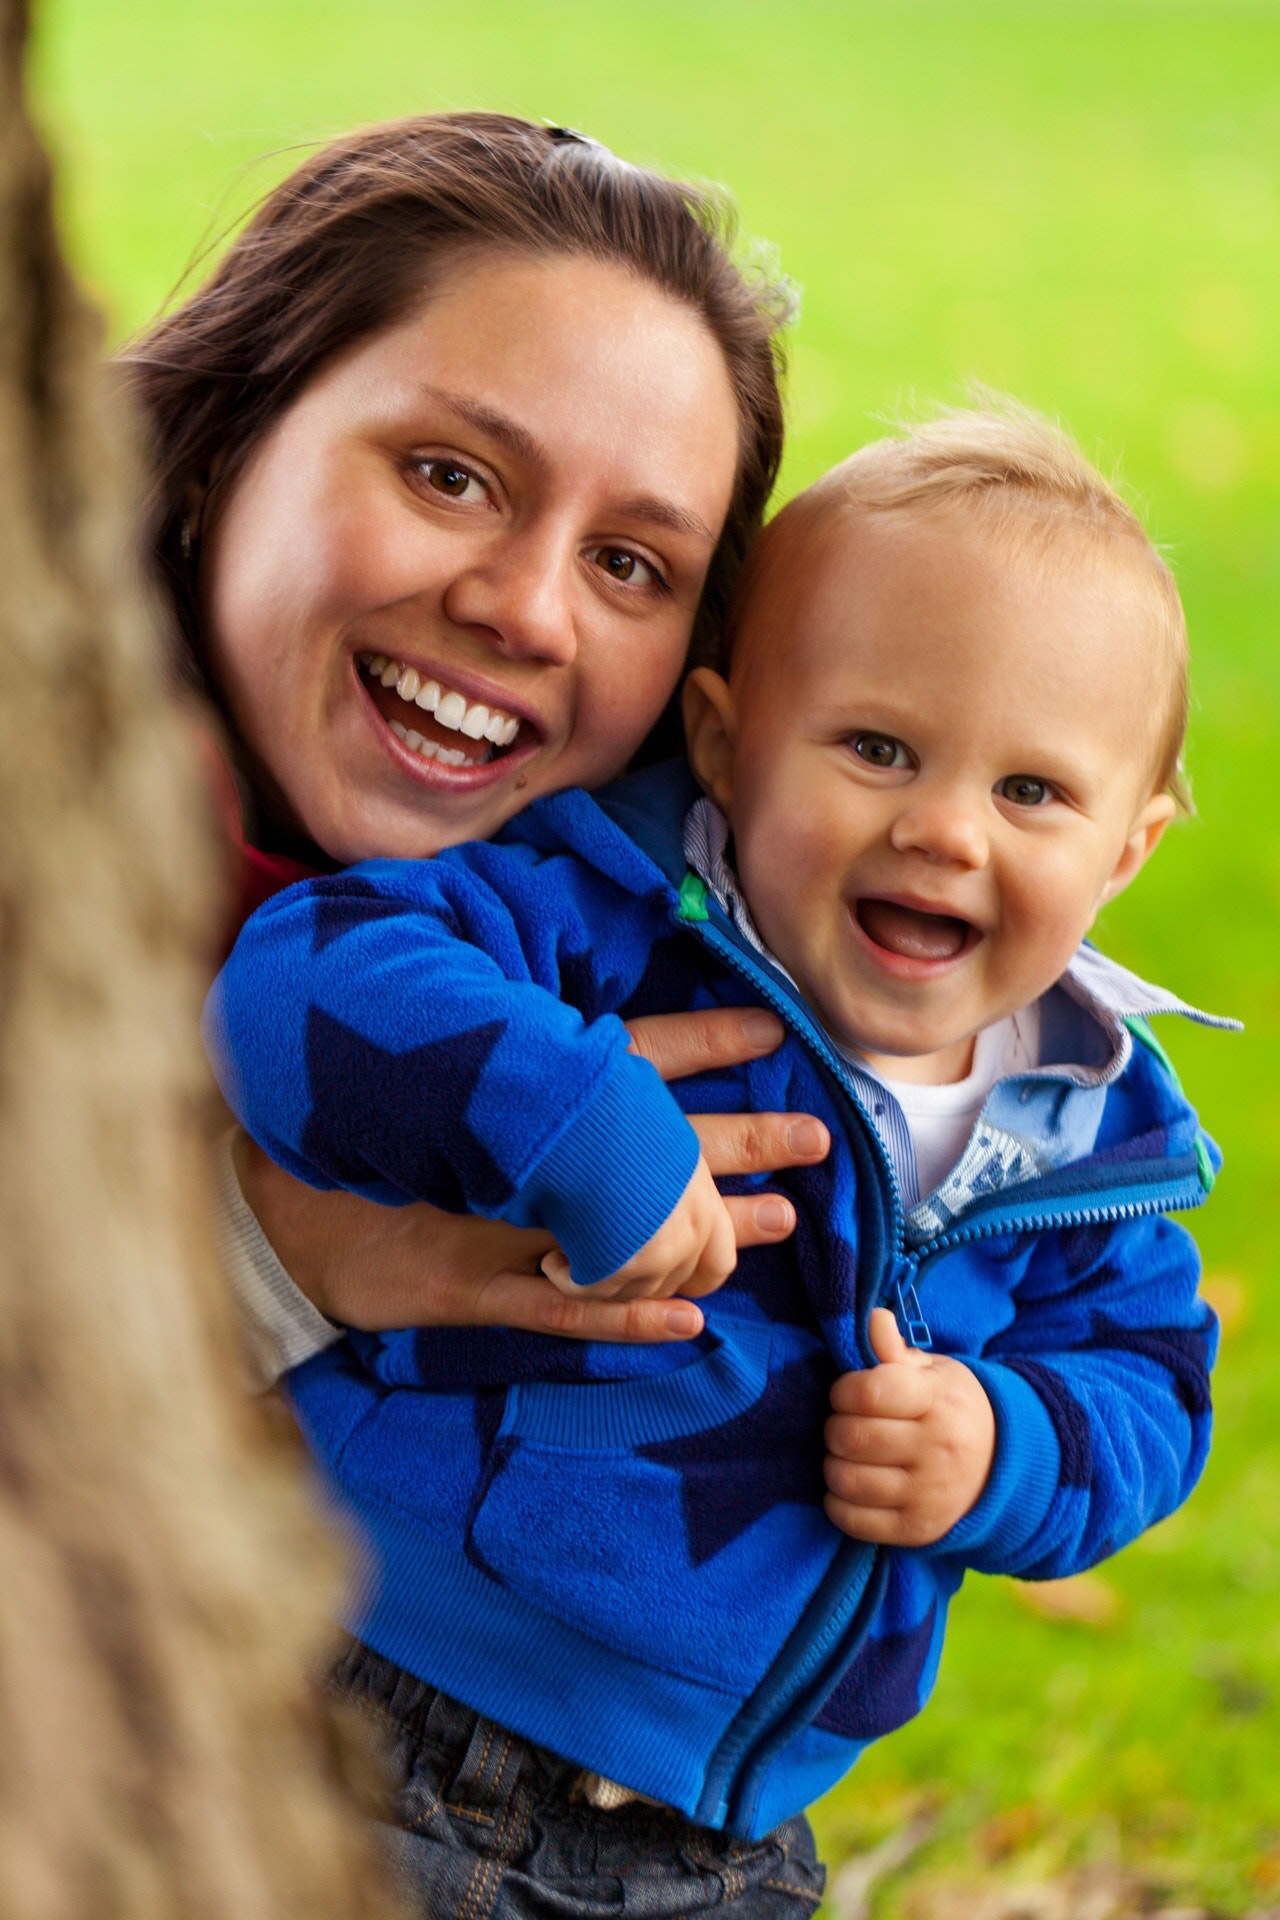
[{"x": 1077, "y": 203}]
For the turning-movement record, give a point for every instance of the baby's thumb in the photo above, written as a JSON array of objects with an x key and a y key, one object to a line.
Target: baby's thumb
[
  {"x": 886, "y": 1338},
  {"x": 556, "y": 1269}
]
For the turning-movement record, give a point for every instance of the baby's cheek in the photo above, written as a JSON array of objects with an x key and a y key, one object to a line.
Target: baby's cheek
[{"x": 1047, "y": 925}]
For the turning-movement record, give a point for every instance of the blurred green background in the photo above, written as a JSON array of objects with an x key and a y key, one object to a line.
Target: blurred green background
[{"x": 1079, "y": 204}]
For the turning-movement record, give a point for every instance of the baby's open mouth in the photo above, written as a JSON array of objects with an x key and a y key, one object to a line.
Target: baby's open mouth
[
  {"x": 911, "y": 933},
  {"x": 434, "y": 721}
]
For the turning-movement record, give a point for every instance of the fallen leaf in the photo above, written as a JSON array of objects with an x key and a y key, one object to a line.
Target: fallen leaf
[
  {"x": 1009, "y": 1831},
  {"x": 1085, "y": 1598},
  {"x": 1228, "y": 1297}
]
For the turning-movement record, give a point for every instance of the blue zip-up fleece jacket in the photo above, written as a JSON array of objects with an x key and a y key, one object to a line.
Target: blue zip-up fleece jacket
[{"x": 621, "y": 1552}]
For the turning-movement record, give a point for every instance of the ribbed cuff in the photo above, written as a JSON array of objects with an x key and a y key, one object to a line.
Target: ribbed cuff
[
  {"x": 994, "y": 1535},
  {"x": 281, "y": 1327},
  {"x": 615, "y": 1173}
]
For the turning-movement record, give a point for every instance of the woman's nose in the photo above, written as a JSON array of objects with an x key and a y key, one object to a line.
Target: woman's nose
[
  {"x": 519, "y": 589},
  {"x": 944, "y": 827}
]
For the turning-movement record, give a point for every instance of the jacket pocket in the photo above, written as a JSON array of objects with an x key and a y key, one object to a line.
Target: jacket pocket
[{"x": 676, "y": 1518}]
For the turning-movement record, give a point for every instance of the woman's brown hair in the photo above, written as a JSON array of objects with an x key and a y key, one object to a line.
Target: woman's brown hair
[{"x": 346, "y": 246}]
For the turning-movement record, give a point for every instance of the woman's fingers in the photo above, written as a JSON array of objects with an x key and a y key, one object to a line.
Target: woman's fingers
[
  {"x": 681, "y": 1043},
  {"x": 759, "y": 1142},
  {"x": 530, "y": 1303},
  {"x": 760, "y": 1219}
]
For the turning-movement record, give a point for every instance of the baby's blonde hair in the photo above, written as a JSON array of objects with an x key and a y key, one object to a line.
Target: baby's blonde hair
[{"x": 1031, "y": 485}]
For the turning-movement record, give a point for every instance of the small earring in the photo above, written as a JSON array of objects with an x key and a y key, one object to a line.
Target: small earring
[{"x": 184, "y": 536}]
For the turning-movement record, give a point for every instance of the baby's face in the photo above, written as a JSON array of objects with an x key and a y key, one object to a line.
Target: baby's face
[{"x": 936, "y": 759}]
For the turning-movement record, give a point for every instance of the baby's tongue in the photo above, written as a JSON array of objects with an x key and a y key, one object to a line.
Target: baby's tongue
[{"x": 914, "y": 935}]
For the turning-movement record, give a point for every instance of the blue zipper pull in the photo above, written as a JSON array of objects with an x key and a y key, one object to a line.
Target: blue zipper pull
[{"x": 915, "y": 1328}]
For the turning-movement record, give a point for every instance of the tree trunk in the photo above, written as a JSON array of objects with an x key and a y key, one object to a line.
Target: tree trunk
[{"x": 163, "y": 1587}]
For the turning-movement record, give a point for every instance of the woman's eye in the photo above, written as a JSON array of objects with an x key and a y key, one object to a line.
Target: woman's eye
[
  {"x": 454, "y": 481},
  {"x": 627, "y": 568},
  {"x": 881, "y": 750},
  {"x": 1024, "y": 790}
]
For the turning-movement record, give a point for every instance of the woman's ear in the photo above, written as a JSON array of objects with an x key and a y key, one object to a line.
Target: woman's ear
[
  {"x": 710, "y": 721},
  {"x": 1144, "y": 838}
]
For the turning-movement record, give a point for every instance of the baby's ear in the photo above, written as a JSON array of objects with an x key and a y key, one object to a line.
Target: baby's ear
[
  {"x": 1145, "y": 836},
  {"x": 710, "y": 721}
]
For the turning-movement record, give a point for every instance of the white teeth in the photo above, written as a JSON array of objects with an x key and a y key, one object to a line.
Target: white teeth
[
  {"x": 414, "y": 740},
  {"x": 452, "y": 757},
  {"x": 452, "y": 710}
]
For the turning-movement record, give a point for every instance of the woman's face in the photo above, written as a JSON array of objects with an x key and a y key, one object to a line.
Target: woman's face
[{"x": 462, "y": 569}]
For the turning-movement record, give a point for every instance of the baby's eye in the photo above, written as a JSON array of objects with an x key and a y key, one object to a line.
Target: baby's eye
[
  {"x": 1024, "y": 790},
  {"x": 881, "y": 750},
  {"x": 454, "y": 481},
  {"x": 626, "y": 568}
]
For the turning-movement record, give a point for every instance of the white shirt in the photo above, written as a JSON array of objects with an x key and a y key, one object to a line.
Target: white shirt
[{"x": 941, "y": 1119}]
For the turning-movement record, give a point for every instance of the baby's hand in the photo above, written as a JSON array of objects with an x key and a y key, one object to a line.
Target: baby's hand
[
  {"x": 910, "y": 1443},
  {"x": 693, "y": 1252}
]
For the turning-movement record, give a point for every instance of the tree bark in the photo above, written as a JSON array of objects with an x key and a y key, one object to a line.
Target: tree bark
[{"x": 163, "y": 1586}]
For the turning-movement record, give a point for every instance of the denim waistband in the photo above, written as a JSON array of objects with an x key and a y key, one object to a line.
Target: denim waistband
[{"x": 494, "y": 1827}]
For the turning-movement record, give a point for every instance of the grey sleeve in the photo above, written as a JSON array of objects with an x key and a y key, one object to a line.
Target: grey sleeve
[{"x": 281, "y": 1326}]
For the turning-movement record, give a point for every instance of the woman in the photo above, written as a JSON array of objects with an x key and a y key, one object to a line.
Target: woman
[{"x": 478, "y": 404}]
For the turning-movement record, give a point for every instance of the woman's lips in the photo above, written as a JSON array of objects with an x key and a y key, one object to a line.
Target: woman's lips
[
  {"x": 441, "y": 755},
  {"x": 912, "y": 942}
]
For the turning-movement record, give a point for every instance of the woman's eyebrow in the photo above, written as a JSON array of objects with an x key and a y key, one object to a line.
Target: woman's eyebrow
[
  {"x": 665, "y": 513},
  {"x": 518, "y": 440},
  {"x": 499, "y": 426}
]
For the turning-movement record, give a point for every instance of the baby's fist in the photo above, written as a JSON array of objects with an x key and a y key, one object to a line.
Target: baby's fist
[
  {"x": 693, "y": 1252},
  {"x": 910, "y": 1443}
]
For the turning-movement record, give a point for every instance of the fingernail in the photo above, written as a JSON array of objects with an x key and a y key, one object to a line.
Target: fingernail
[
  {"x": 762, "y": 1029},
  {"x": 682, "y": 1319},
  {"x": 773, "y": 1216},
  {"x": 807, "y": 1136}
]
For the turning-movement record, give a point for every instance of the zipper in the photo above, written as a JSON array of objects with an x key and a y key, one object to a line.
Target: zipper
[
  {"x": 776, "y": 1710},
  {"x": 723, "y": 942},
  {"x": 1182, "y": 1194}
]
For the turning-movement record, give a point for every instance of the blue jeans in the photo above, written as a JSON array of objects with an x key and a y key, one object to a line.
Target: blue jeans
[{"x": 492, "y": 1827}]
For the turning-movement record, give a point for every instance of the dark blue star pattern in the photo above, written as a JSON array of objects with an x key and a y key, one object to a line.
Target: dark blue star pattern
[
  {"x": 399, "y": 1138},
  {"x": 1152, "y": 1145},
  {"x": 667, "y": 971},
  {"x": 344, "y": 903},
  {"x": 1084, "y": 1247},
  {"x": 828, "y": 1261},
  {"x": 1181, "y": 1351},
  {"x": 1070, "y": 1421},
  {"x": 581, "y": 987},
  {"x": 732, "y": 1474},
  {"x": 881, "y": 1688}
]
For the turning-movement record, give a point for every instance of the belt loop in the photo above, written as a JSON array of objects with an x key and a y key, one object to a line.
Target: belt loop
[{"x": 477, "y": 1786}]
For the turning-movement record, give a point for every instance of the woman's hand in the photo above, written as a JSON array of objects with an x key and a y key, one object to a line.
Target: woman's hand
[{"x": 382, "y": 1267}]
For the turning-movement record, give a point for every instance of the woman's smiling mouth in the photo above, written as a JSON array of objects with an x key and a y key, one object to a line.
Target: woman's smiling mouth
[{"x": 435, "y": 721}]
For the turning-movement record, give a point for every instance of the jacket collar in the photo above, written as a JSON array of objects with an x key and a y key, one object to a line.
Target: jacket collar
[{"x": 1085, "y": 1032}]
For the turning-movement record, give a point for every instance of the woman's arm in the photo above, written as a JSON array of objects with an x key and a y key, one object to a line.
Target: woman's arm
[{"x": 377, "y": 1267}]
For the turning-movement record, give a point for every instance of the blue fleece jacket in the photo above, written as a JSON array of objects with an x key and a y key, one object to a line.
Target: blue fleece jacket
[{"x": 621, "y": 1552}]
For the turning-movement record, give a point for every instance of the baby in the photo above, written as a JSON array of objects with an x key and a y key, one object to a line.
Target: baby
[{"x": 948, "y": 732}]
